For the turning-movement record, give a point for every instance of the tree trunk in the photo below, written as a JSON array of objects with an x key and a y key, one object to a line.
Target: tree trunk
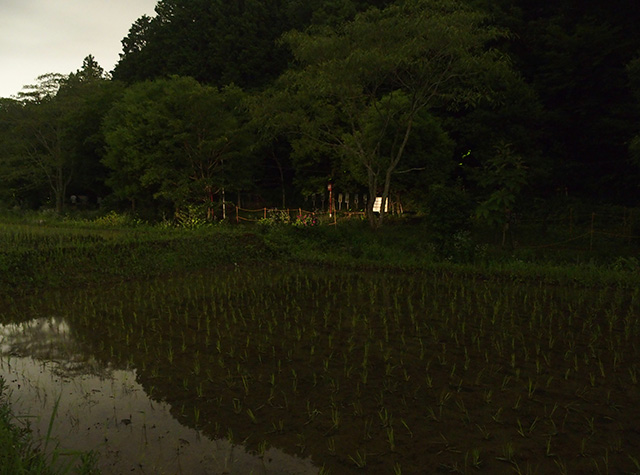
[
  {"x": 373, "y": 191},
  {"x": 392, "y": 166},
  {"x": 284, "y": 196},
  {"x": 59, "y": 190},
  {"x": 59, "y": 202}
]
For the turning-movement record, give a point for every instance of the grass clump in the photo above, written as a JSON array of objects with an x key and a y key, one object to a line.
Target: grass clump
[{"x": 20, "y": 456}]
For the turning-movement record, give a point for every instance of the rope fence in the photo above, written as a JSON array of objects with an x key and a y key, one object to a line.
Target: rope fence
[
  {"x": 292, "y": 215},
  {"x": 278, "y": 215},
  {"x": 289, "y": 215}
]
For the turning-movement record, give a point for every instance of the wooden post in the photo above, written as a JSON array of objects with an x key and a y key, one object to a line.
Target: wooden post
[
  {"x": 265, "y": 213},
  {"x": 237, "y": 215}
]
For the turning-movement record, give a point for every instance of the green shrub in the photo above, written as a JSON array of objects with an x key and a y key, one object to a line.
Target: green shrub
[
  {"x": 275, "y": 217},
  {"x": 115, "y": 219},
  {"x": 190, "y": 217},
  {"x": 449, "y": 215}
]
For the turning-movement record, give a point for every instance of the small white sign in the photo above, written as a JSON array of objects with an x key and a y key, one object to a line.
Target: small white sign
[{"x": 377, "y": 204}]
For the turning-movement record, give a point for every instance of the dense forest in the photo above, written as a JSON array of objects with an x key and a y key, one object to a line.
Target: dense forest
[{"x": 501, "y": 104}]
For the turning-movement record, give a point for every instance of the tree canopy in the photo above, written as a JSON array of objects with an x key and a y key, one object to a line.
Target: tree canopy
[
  {"x": 52, "y": 134},
  {"x": 361, "y": 92},
  {"x": 219, "y": 42},
  {"x": 277, "y": 98},
  {"x": 176, "y": 141}
]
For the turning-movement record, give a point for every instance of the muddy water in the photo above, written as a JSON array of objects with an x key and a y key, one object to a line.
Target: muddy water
[{"x": 103, "y": 409}]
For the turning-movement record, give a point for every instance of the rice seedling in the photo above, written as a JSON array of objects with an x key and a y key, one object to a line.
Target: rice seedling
[
  {"x": 508, "y": 453},
  {"x": 335, "y": 418},
  {"x": 391, "y": 438},
  {"x": 406, "y": 426},
  {"x": 473, "y": 459},
  {"x": 252, "y": 416},
  {"x": 359, "y": 459}
]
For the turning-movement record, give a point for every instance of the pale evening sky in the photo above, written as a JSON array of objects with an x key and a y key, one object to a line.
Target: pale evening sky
[{"x": 54, "y": 36}]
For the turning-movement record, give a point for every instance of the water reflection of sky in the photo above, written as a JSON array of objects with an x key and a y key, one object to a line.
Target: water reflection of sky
[{"x": 107, "y": 410}]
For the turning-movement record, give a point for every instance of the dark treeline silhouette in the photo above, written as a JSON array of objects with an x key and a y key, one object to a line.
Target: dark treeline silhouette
[{"x": 268, "y": 101}]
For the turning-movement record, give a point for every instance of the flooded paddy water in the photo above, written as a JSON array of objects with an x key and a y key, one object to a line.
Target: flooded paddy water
[
  {"x": 310, "y": 370},
  {"x": 98, "y": 408}
]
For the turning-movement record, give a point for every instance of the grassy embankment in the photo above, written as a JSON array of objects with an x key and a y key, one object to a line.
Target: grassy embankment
[{"x": 36, "y": 254}]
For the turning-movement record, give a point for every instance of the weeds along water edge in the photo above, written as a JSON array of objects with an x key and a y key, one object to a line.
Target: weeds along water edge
[{"x": 20, "y": 454}]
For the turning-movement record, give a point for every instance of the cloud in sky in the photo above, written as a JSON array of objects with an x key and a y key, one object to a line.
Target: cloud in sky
[{"x": 54, "y": 36}]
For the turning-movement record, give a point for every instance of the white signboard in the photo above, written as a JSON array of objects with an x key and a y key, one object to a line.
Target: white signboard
[{"x": 377, "y": 204}]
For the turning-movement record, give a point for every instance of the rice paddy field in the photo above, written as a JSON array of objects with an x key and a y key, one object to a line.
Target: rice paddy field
[{"x": 260, "y": 366}]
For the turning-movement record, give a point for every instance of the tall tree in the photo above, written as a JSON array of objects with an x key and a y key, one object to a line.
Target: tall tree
[
  {"x": 19, "y": 183},
  {"x": 360, "y": 92},
  {"x": 44, "y": 134},
  {"x": 52, "y": 130},
  {"x": 46, "y": 87},
  {"x": 96, "y": 95},
  {"x": 176, "y": 141}
]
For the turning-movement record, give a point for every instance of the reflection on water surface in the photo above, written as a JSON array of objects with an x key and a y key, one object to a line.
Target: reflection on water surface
[{"x": 107, "y": 410}]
